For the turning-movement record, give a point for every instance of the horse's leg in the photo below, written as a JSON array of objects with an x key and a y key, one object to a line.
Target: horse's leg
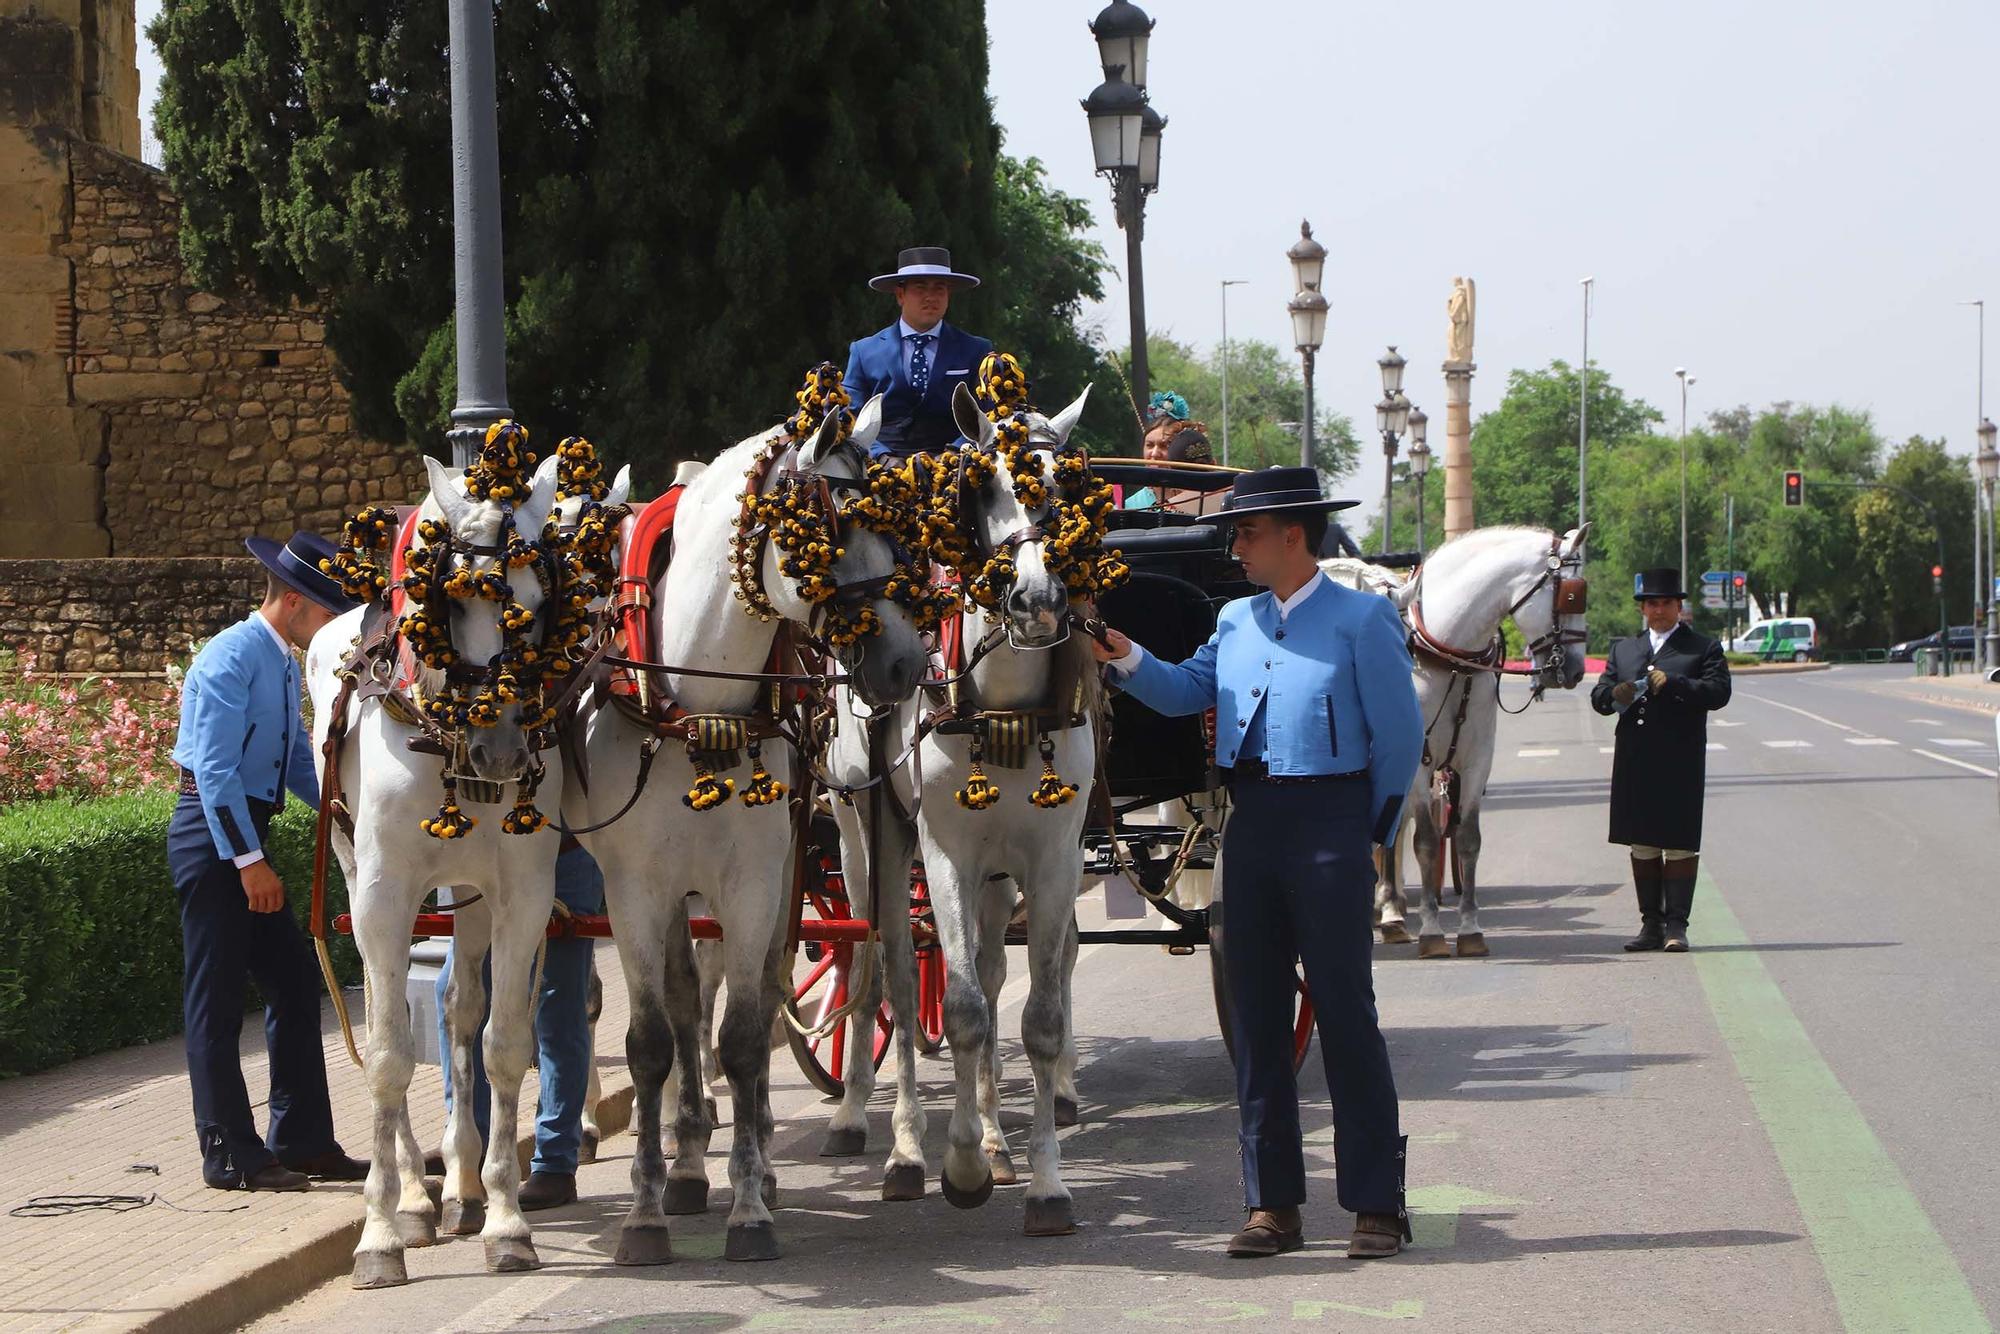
[
  {"x": 382, "y": 932},
  {"x": 749, "y": 914},
  {"x": 518, "y": 936},
  {"x": 967, "y": 1178},
  {"x": 1425, "y": 839},
  {"x": 1066, "y": 1114},
  {"x": 1051, "y": 890},
  {"x": 1390, "y": 906},
  {"x": 708, "y": 964},
  {"x": 687, "y": 1097},
  {"x": 1471, "y": 940},
  {"x": 593, "y": 1011},
  {"x": 465, "y": 1021},
  {"x": 997, "y": 902},
  {"x": 904, "y": 1179},
  {"x": 639, "y": 921},
  {"x": 873, "y": 896}
]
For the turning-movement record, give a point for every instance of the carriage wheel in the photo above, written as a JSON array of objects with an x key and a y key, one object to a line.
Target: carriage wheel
[
  {"x": 1302, "y": 1019},
  {"x": 822, "y": 979},
  {"x": 930, "y": 970}
]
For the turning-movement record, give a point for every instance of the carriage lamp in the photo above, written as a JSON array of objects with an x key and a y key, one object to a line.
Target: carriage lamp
[
  {"x": 1308, "y": 310},
  {"x": 1123, "y": 33}
]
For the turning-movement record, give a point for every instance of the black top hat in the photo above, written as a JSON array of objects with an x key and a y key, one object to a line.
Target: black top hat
[
  {"x": 923, "y": 261},
  {"x": 1664, "y": 582},
  {"x": 296, "y": 565},
  {"x": 1279, "y": 491}
]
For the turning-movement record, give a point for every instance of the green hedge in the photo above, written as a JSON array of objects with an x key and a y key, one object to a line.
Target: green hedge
[{"x": 90, "y": 939}]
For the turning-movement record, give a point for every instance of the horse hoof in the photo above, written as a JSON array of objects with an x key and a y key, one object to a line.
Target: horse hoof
[
  {"x": 1432, "y": 947},
  {"x": 1395, "y": 933},
  {"x": 770, "y": 1190},
  {"x": 844, "y": 1142},
  {"x": 686, "y": 1195},
  {"x": 511, "y": 1255},
  {"x": 905, "y": 1181},
  {"x": 1473, "y": 946},
  {"x": 644, "y": 1246},
  {"x": 1001, "y": 1164},
  {"x": 379, "y": 1269},
  {"x": 1054, "y": 1217},
  {"x": 586, "y": 1152},
  {"x": 415, "y": 1229},
  {"x": 751, "y": 1241},
  {"x": 965, "y": 1199},
  {"x": 1065, "y": 1111},
  {"x": 463, "y": 1218}
]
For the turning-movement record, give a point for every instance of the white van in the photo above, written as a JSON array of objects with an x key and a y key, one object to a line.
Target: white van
[{"x": 1785, "y": 638}]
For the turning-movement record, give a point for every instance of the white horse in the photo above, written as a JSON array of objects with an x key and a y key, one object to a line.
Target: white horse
[
  {"x": 1455, "y": 606},
  {"x": 974, "y": 859},
  {"x": 737, "y": 856},
  {"x": 389, "y": 865}
]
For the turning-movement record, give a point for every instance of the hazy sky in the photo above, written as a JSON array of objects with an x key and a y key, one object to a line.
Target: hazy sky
[{"x": 1785, "y": 197}]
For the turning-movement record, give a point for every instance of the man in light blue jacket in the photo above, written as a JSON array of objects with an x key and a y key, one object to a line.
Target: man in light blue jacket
[
  {"x": 242, "y": 746},
  {"x": 1318, "y": 734}
]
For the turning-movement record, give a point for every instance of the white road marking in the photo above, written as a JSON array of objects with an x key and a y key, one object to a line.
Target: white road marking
[
  {"x": 1804, "y": 713},
  {"x": 1607, "y": 750},
  {"x": 1871, "y": 741},
  {"x": 1789, "y": 745},
  {"x": 1958, "y": 741},
  {"x": 1924, "y": 722},
  {"x": 514, "y": 1301},
  {"x": 1717, "y": 745},
  {"x": 1946, "y": 759},
  {"x": 1724, "y": 722},
  {"x": 1538, "y": 753}
]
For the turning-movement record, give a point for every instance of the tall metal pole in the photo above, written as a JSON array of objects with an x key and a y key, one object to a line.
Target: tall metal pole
[
  {"x": 1306, "y": 436},
  {"x": 478, "y": 279},
  {"x": 1681, "y": 373},
  {"x": 1132, "y": 205},
  {"x": 1583, "y": 415},
  {"x": 1982, "y": 561},
  {"x": 1227, "y": 283},
  {"x": 1729, "y": 570}
]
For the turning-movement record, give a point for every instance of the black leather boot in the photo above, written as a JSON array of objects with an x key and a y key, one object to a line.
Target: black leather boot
[
  {"x": 1677, "y": 888},
  {"x": 1652, "y": 932}
]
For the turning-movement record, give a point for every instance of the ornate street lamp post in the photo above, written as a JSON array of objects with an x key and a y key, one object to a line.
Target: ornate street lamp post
[
  {"x": 1308, "y": 310},
  {"x": 1392, "y": 417},
  {"x": 478, "y": 282},
  {"x": 1680, "y": 373},
  {"x": 1125, "y": 135},
  {"x": 1420, "y": 466}
]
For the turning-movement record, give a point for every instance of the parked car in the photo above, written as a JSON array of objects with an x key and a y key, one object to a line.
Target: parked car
[
  {"x": 1961, "y": 642},
  {"x": 1793, "y": 638}
]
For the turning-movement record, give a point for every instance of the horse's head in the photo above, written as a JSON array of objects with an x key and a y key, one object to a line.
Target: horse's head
[
  {"x": 886, "y": 659},
  {"x": 1552, "y": 617},
  {"x": 1016, "y": 522},
  {"x": 479, "y": 592}
]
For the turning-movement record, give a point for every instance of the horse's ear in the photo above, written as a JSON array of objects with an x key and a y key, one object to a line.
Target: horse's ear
[
  {"x": 533, "y": 510},
  {"x": 621, "y": 487},
  {"x": 448, "y": 491},
  {"x": 1065, "y": 421},
  {"x": 869, "y": 424},
  {"x": 973, "y": 424},
  {"x": 1574, "y": 539},
  {"x": 820, "y": 447}
]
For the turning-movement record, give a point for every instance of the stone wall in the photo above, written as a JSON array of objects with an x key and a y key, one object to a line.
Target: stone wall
[
  {"x": 139, "y": 415},
  {"x": 122, "y": 615}
]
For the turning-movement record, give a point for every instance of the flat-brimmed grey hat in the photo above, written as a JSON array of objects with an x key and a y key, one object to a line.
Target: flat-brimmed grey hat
[{"x": 922, "y": 261}]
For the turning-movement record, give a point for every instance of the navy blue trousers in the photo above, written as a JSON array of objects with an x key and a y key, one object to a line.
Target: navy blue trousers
[
  {"x": 1298, "y": 882},
  {"x": 225, "y": 946}
]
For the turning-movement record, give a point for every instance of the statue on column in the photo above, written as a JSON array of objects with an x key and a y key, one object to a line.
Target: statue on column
[{"x": 1461, "y": 307}]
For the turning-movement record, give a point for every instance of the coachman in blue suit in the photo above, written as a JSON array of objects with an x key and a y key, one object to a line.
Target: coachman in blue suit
[
  {"x": 919, "y": 360},
  {"x": 242, "y": 746},
  {"x": 1318, "y": 732}
]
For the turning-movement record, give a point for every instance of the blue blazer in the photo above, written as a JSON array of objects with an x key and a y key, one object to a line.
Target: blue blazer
[
  {"x": 1333, "y": 684},
  {"x": 241, "y": 735},
  {"x": 911, "y": 423}
]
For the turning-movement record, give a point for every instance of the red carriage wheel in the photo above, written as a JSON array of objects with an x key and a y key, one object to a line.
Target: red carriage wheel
[{"x": 822, "y": 980}]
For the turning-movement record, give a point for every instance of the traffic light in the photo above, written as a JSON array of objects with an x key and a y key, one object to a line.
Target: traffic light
[
  {"x": 1795, "y": 488},
  {"x": 1937, "y": 580}
]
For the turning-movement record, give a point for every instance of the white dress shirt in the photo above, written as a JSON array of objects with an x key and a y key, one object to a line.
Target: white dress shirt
[{"x": 909, "y": 349}]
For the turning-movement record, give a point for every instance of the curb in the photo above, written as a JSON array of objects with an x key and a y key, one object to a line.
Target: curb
[
  {"x": 287, "y": 1267},
  {"x": 1780, "y": 668}
]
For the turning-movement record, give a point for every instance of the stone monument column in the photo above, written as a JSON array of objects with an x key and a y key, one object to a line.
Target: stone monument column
[{"x": 1458, "y": 369}]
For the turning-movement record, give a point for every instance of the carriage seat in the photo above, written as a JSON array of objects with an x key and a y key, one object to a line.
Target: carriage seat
[{"x": 1179, "y": 540}]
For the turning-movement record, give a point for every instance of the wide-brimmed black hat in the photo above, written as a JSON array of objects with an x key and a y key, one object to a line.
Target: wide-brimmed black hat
[
  {"x": 1279, "y": 491},
  {"x": 922, "y": 261},
  {"x": 296, "y": 565},
  {"x": 1664, "y": 582}
]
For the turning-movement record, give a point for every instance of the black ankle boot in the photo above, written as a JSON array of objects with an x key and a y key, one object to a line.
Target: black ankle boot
[
  {"x": 1677, "y": 888},
  {"x": 1652, "y": 933}
]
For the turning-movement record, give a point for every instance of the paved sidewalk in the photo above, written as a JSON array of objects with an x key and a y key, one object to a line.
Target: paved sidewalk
[
  {"x": 1967, "y": 690},
  {"x": 195, "y": 1259}
]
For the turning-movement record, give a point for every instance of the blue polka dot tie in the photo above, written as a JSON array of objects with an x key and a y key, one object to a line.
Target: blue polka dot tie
[{"x": 920, "y": 362}]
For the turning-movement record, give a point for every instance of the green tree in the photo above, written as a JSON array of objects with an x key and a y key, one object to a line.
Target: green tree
[
  {"x": 1524, "y": 450},
  {"x": 1897, "y": 540},
  {"x": 693, "y": 195},
  {"x": 1267, "y": 398}
]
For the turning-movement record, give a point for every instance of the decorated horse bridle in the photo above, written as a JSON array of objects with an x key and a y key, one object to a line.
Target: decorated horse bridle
[{"x": 1569, "y": 595}]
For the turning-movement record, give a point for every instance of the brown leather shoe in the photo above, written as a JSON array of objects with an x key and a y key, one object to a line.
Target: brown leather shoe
[
  {"x": 548, "y": 1190},
  {"x": 1376, "y": 1237},
  {"x": 1269, "y": 1232},
  {"x": 276, "y": 1176}
]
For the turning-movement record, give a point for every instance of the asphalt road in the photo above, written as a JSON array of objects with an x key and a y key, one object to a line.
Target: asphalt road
[{"x": 1789, "y": 1129}]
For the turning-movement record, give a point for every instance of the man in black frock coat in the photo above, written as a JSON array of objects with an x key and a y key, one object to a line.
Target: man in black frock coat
[{"x": 1663, "y": 684}]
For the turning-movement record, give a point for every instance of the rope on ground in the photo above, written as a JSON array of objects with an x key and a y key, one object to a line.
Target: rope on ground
[{"x": 61, "y": 1206}]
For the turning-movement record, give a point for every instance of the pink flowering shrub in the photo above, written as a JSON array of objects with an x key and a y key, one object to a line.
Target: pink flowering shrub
[{"x": 79, "y": 738}]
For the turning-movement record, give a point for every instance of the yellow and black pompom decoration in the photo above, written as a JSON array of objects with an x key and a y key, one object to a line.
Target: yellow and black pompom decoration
[
  {"x": 979, "y": 791},
  {"x": 354, "y": 563},
  {"x": 579, "y": 472},
  {"x": 501, "y": 472},
  {"x": 524, "y": 818},
  {"x": 1051, "y": 792},
  {"x": 450, "y": 822},
  {"x": 763, "y": 789},
  {"x": 708, "y": 791}
]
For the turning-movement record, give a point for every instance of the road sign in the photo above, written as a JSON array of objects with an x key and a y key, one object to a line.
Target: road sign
[
  {"x": 1721, "y": 576},
  {"x": 1713, "y": 598}
]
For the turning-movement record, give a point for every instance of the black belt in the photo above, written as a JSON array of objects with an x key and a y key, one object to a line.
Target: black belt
[{"x": 1256, "y": 771}]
